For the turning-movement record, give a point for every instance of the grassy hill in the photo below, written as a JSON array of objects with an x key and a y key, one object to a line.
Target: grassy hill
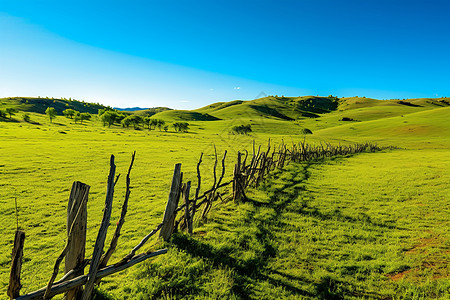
[
  {"x": 39, "y": 105},
  {"x": 283, "y": 108},
  {"x": 184, "y": 115},
  {"x": 150, "y": 111}
]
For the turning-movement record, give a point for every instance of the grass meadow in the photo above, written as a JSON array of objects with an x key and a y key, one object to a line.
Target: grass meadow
[{"x": 369, "y": 226}]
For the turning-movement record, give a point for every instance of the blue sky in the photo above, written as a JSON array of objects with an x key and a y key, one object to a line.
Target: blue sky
[{"x": 186, "y": 54}]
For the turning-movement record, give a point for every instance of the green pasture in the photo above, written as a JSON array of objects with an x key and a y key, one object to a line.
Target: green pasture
[{"x": 370, "y": 226}]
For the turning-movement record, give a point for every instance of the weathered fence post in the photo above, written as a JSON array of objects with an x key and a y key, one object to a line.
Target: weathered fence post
[
  {"x": 172, "y": 204},
  {"x": 187, "y": 215},
  {"x": 76, "y": 250},
  {"x": 16, "y": 265}
]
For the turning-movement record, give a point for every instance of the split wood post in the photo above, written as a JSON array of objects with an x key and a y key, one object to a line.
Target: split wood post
[
  {"x": 100, "y": 242},
  {"x": 187, "y": 202},
  {"x": 237, "y": 178},
  {"x": 172, "y": 204},
  {"x": 76, "y": 250},
  {"x": 16, "y": 265},
  {"x": 197, "y": 191}
]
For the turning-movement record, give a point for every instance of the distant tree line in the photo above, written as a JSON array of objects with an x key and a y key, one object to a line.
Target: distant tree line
[
  {"x": 110, "y": 117},
  {"x": 76, "y": 115}
]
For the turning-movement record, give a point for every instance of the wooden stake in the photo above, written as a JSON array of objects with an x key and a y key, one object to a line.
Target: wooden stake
[
  {"x": 16, "y": 265},
  {"x": 186, "y": 211},
  {"x": 76, "y": 249},
  {"x": 172, "y": 203}
]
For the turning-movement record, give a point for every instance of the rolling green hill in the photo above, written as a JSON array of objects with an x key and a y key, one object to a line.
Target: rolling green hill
[
  {"x": 184, "y": 115},
  {"x": 283, "y": 108},
  {"x": 151, "y": 111},
  {"x": 39, "y": 105}
]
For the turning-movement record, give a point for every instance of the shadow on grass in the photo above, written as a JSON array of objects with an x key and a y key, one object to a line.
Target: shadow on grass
[
  {"x": 11, "y": 120},
  {"x": 249, "y": 270}
]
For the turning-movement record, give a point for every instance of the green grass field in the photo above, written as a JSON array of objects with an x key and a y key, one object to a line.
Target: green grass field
[{"x": 370, "y": 226}]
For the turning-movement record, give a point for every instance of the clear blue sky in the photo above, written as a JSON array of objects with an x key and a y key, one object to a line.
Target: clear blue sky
[{"x": 186, "y": 54}]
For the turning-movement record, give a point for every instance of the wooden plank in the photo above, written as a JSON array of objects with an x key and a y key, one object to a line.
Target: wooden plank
[
  {"x": 63, "y": 287},
  {"x": 100, "y": 242},
  {"x": 16, "y": 265},
  {"x": 172, "y": 203},
  {"x": 76, "y": 249}
]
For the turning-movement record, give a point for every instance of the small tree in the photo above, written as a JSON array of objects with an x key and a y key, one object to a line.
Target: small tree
[
  {"x": 69, "y": 113},
  {"x": 181, "y": 126},
  {"x": 135, "y": 120},
  {"x": 154, "y": 123},
  {"x": 126, "y": 122},
  {"x": 147, "y": 121},
  {"x": 160, "y": 124},
  {"x": 51, "y": 113},
  {"x": 2, "y": 114},
  {"x": 11, "y": 111},
  {"x": 84, "y": 116},
  {"x": 109, "y": 117}
]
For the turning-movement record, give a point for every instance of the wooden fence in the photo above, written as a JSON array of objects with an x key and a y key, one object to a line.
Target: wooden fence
[{"x": 249, "y": 171}]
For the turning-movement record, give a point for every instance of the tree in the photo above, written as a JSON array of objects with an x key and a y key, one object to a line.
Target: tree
[
  {"x": 11, "y": 111},
  {"x": 160, "y": 124},
  {"x": 147, "y": 121},
  {"x": 2, "y": 114},
  {"x": 154, "y": 123},
  {"x": 85, "y": 116},
  {"x": 108, "y": 117},
  {"x": 135, "y": 120},
  {"x": 69, "y": 113},
  {"x": 181, "y": 126},
  {"x": 51, "y": 113},
  {"x": 126, "y": 122}
]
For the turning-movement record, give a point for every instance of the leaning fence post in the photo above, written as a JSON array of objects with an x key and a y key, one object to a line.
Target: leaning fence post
[
  {"x": 75, "y": 253},
  {"x": 172, "y": 203},
  {"x": 16, "y": 265}
]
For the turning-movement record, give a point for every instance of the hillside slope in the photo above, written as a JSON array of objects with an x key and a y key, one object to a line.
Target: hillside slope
[{"x": 39, "y": 105}]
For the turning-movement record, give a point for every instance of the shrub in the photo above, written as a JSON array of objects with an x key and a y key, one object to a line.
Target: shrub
[
  {"x": 242, "y": 129},
  {"x": 306, "y": 131}
]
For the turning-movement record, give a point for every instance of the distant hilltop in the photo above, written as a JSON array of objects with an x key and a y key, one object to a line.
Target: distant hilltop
[{"x": 130, "y": 108}]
